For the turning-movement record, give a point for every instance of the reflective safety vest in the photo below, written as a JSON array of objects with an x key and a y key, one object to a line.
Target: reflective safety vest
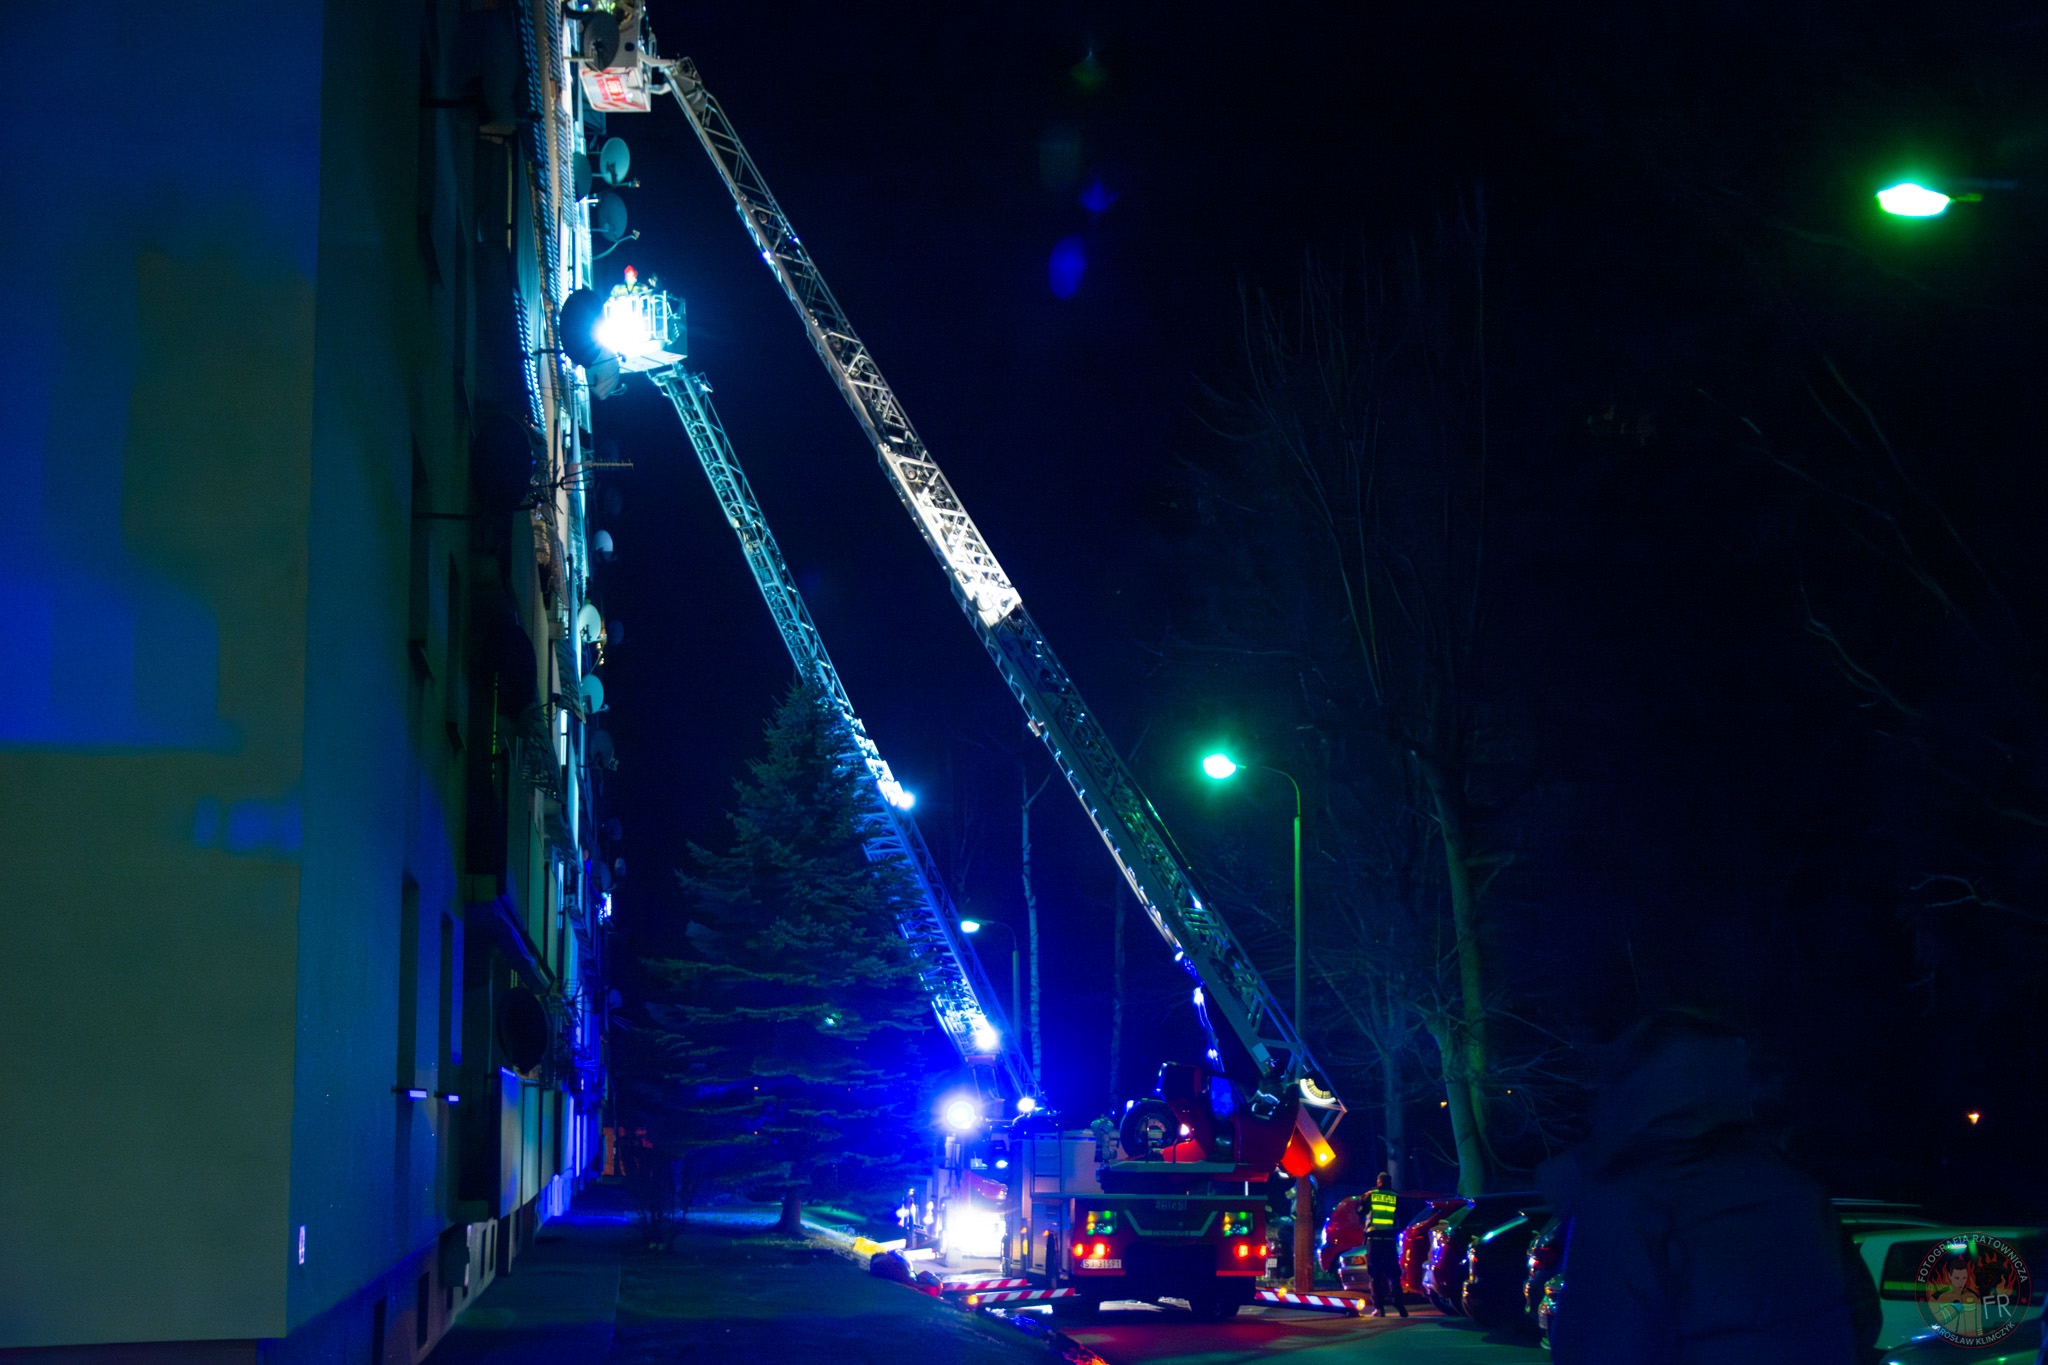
[{"x": 1382, "y": 1220}]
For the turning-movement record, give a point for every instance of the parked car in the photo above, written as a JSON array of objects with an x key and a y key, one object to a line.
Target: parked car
[
  {"x": 1420, "y": 1210},
  {"x": 1443, "y": 1278},
  {"x": 1415, "y": 1241},
  {"x": 1546, "y": 1258},
  {"x": 2021, "y": 1348},
  {"x": 1894, "y": 1240},
  {"x": 1546, "y": 1308},
  {"x": 1343, "y": 1230},
  {"x": 1497, "y": 1271},
  {"x": 1895, "y": 1254}
]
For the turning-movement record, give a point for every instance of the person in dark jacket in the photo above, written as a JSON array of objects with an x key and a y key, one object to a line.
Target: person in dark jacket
[{"x": 1693, "y": 1240}]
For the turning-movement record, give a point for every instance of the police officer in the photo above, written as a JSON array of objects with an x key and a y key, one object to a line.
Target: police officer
[{"x": 1382, "y": 1247}]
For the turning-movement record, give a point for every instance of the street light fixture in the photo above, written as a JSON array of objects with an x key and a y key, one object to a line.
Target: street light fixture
[
  {"x": 1908, "y": 200},
  {"x": 1222, "y": 767}
]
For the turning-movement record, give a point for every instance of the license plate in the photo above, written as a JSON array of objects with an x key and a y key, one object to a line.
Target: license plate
[{"x": 1108, "y": 1264}]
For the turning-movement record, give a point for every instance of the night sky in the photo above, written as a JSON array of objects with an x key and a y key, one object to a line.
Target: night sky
[{"x": 1681, "y": 243}]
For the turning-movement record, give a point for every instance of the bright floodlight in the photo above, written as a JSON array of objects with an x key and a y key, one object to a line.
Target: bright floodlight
[
  {"x": 626, "y": 328},
  {"x": 970, "y": 926},
  {"x": 1218, "y": 766},
  {"x": 1026, "y": 1105},
  {"x": 1909, "y": 200},
  {"x": 985, "y": 1038},
  {"x": 961, "y": 1115}
]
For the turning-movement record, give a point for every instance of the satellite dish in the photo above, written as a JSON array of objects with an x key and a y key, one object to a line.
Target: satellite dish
[
  {"x": 619, "y": 868},
  {"x": 602, "y": 543},
  {"x": 523, "y": 1028},
  {"x": 605, "y": 377},
  {"x": 614, "y": 500},
  {"x": 613, "y": 161},
  {"x": 608, "y": 217},
  {"x": 614, "y": 999},
  {"x": 577, "y": 322},
  {"x": 579, "y": 175},
  {"x": 589, "y": 624},
  {"x": 603, "y": 755},
  {"x": 600, "y": 45},
  {"x": 592, "y": 690},
  {"x": 613, "y": 830},
  {"x": 615, "y": 631}
]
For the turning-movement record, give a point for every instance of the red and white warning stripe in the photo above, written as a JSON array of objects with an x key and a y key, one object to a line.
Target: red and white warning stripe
[
  {"x": 976, "y": 1286},
  {"x": 1288, "y": 1298},
  {"x": 987, "y": 1297}
]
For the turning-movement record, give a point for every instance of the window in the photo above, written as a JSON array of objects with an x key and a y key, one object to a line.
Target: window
[
  {"x": 408, "y": 985},
  {"x": 451, "y": 709},
  {"x": 447, "y": 1051}
]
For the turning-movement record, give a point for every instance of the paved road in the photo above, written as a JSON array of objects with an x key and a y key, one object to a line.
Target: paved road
[
  {"x": 590, "y": 1292},
  {"x": 1136, "y": 1335}
]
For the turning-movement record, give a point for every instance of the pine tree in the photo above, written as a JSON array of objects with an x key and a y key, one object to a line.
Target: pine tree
[{"x": 793, "y": 1035}]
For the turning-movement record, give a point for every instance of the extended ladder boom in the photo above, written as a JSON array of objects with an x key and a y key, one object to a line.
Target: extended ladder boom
[
  {"x": 960, "y": 992},
  {"x": 1256, "y": 1033}
]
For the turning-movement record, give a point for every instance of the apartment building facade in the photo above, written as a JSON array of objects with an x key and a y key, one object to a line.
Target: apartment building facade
[{"x": 301, "y": 730}]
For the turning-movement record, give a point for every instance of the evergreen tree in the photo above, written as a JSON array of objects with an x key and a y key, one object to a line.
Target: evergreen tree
[{"x": 793, "y": 1031}]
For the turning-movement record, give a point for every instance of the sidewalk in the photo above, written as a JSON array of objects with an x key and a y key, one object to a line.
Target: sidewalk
[{"x": 589, "y": 1292}]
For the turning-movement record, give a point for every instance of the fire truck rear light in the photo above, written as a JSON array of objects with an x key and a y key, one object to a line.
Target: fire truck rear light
[
  {"x": 1262, "y": 1251},
  {"x": 1244, "y": 1251},
  {"x": 1101, "y": 1250},
  {"x": 1080, "y": 1250}
]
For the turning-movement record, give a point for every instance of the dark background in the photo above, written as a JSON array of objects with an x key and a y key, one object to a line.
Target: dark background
[{"x": 1682, "y": 242}]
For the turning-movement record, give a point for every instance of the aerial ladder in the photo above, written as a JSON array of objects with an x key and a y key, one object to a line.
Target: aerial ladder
[
  {"x": 961, "y": 995},
  {"x": 1253, "y": 1104}
]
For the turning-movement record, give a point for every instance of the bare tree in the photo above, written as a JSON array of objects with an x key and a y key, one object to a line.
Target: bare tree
[{"x": 1348, "y": 513}]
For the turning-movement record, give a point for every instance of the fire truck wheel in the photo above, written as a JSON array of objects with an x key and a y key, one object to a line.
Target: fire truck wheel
[
  {"x": 1212, "y": 1305},
  {"x": 1080, "y": 1309}
]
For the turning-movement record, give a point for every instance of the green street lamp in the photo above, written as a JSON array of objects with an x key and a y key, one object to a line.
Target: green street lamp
[
  {"x": 1908, "y": 200},
  {"x": 1222, "y": 767}
]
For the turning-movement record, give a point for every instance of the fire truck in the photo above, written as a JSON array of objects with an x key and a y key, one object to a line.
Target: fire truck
[{"x": 1172, "y": 1203}]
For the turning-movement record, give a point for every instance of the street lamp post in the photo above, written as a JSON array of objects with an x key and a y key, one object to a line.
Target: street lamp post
[
  {"x": 971, "y": 927},
  {"x": 1221, "y": 767}
]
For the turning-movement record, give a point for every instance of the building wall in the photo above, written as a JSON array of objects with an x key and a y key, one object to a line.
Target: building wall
[
  {"x": 269, "y": 861},
  {"x": 156, "y": 438}
]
